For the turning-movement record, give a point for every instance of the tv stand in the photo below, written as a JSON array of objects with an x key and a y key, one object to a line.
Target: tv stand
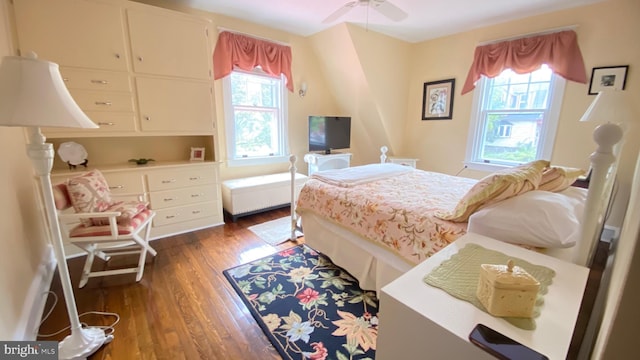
[{"x": 321, "y": 162}]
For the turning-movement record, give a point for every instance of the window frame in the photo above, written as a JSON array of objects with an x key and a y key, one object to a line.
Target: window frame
[
  {"x": 229, "y": 110},
  {"x": 477, "y": 123}
]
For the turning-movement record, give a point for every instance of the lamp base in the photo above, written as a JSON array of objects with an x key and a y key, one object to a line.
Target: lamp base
[{"x": 82, "y": 343}]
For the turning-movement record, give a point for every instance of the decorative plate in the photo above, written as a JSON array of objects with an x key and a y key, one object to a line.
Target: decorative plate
[{"x": 72, "y": 153}]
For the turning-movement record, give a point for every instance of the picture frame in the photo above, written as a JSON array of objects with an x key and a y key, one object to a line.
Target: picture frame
[
  {"x": 197, "y": 154},
  {"x": 608, "y": 78},
  {"x": 437, "y": 99}
]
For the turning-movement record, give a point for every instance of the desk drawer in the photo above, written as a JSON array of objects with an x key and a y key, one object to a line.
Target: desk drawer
[
  {"x": 185, "y": 213},
  {"x": 125, "y": 183},
  {"x": 90, "y": 100},
  {"x": 95, "y": 80},
  {"x": 173, "y": 179},
  {"x": 177, "y": 197}
]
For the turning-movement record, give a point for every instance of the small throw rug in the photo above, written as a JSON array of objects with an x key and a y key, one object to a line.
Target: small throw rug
[
  {"x": 274, "y": 232},
  {"x": 308, "y": 307}
]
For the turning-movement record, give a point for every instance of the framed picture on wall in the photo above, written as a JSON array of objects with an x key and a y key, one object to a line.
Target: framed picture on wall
[
  {"x": 437, "y": 100},
  {"x": 608, "y": 78},
  {"x": 197, "y": 154}
]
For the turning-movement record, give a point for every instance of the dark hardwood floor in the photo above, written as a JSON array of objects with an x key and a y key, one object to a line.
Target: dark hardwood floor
[{"x": 183, "y": 308}]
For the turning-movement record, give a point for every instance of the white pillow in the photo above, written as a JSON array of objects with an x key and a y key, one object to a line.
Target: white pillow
[{"x": 536, "y": 218}]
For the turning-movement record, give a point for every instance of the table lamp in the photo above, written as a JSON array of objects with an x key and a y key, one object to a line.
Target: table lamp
[{"x": 33, "y": 94}]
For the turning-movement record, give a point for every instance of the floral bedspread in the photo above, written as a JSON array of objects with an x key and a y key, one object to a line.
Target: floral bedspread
[{"x": 396, "y": 212}]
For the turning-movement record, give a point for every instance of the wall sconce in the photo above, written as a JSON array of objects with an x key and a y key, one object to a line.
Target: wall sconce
[{"x": 303, "y": 89}]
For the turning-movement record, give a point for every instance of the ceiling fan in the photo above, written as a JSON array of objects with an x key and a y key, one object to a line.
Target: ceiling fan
[{"x": 384, "y": 7}]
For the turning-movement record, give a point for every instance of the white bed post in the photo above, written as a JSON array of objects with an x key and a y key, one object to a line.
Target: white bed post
[
  {"x": 383, "y": 155},
  {"x": 600, "y": 185},
  {"x": 294, "y": 220}
]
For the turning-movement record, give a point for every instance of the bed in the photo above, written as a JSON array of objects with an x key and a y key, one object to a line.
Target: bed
[{"x": 379, "y": 220}]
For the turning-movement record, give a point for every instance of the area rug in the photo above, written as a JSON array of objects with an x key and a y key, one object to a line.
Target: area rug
[
  {"x": 308, "y": 307},
  {"x": 274, "y": 232}
]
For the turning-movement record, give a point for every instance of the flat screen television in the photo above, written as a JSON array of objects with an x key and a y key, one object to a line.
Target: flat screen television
[{"x": 328, "y": 133}]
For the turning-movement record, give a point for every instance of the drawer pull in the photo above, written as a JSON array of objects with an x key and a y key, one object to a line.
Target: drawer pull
[
  {"x": 169, "y": 199},
  {"x": 106, "y": 123},
  {"x": 197, "y": 195},
  {"x": 171, "y": 216},
  {"x": 105, "y": 103},
  {"x": 102, "y": 82},
  {"x": 116, "y": 187},
  {"x": 168, "y": 181},
  {"x": 194, "y": 178},
  {"x": 65, "y": 79},
  {"x": 195, "y": 212}
]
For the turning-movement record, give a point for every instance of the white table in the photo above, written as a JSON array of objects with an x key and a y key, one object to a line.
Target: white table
[
  {"x": 320, "y": 162},
  {"x": 419, "y": 321}
]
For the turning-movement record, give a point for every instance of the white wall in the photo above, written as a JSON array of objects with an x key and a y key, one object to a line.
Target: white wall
[{"x": 22, "y": 235}]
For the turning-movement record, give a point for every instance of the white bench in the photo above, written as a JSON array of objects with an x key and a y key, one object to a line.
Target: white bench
[{"x": 251, "y": 195}]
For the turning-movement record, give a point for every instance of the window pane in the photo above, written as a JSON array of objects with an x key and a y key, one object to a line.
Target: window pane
[
  {"x": 251, "y": 90},
  {"x": 256, "y": 133},
  {"x": 511, "y": 137}
]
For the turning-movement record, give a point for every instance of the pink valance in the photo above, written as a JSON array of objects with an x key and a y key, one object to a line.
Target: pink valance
[
  {"x": 247, "y": 52},
  {"x": 558, "y": 50}
]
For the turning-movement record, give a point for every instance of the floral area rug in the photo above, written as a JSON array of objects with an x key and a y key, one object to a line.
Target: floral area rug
[{"x": 308, "y": 307}]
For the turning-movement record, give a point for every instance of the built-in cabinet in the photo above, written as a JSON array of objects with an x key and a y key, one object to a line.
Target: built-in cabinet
[
  {"x": 184, "y": 196},
  {"x": 144, "y": 75}
]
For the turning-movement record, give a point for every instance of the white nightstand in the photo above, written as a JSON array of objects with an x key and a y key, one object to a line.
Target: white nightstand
[
  {"x": 419, "y": 321},
  {"x": 403, "y": 161},
  {"x": 320, "y": 162}
]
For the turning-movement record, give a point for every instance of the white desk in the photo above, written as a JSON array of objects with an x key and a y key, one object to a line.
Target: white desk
[
  {"x": 320, "y": 162},
  {"x": 419, "y": 321}
]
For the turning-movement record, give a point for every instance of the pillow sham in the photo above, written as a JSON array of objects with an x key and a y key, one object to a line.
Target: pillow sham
[
  {"x": 498, "y": 186},
  {"x": 538, "y": 218},
  {"x": 89, "y": 192},
  {"x": 558, "y": 178}
]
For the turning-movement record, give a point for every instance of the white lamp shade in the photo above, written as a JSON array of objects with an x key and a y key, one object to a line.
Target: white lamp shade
[
  {"x": 32, "y": 93},
  {"x": 608, "y": 106}
]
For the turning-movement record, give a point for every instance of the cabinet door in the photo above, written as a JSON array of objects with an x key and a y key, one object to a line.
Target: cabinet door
[
  {"x": 76, "y": 33},
  {"x": 169, "y": 44},
  {"x": 176, "y": 106}
]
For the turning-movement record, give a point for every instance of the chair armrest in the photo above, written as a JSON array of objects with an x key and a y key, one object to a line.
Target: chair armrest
[{"x": 77, "y": 216}]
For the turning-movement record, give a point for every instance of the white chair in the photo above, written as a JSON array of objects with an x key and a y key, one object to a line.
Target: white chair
[{"x": 106, "y": 233}]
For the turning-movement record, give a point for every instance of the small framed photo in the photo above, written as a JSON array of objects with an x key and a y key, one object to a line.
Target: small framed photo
[
  {"x": 197, "y": 154},
  {"x": 608, "y": 78},
  {"x": 437, "y": 100}
]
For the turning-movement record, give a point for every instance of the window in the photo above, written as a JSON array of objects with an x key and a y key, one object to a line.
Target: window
[
  {"x": 255, "y": 118},
  {"x": 516, "y": 119}
]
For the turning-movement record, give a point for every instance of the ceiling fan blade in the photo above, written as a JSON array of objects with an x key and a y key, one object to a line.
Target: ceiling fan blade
[
  {"x": 389, "y": 10},
  {"x": 340, "y": 12}
]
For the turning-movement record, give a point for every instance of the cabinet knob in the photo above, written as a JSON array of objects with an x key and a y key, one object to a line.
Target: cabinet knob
[
  {"x": 105, "y": 103},
  {"x": 117, "y": 56},
  {"x": 106, "y": 123},
  {"x": 140, "y": 58},
  {"x": 65, "y": 79},
  {"x": 147, "y": 118},
  {"x": 102, "y": 82}
]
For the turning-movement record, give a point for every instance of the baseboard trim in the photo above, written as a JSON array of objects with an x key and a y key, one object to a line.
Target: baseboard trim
[{"x": 35, "y": 301}]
